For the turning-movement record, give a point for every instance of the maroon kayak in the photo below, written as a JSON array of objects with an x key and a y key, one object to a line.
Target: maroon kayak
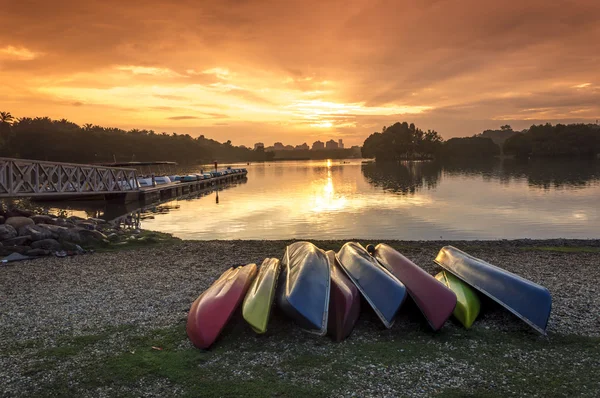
[
  {"x": 435, "y": 300},
  {"x": 211, "y": 311},
  {"x": 344, "y": 302}
]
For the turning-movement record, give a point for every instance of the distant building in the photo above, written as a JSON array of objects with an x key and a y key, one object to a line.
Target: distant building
[
  {"x": 340, "y": 144},
  {"x": 317, "y": 146},
  {"x": 259, "y": 145},
  {"x": 331, "y": 144},
  {"x": 303, "y": 147},
  {"x": 278, "y": 146}
]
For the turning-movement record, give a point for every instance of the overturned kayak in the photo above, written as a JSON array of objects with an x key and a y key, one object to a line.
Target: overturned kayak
[
  {"x": 467, "y": 302},
  {"x": 527, "y": 300},
  {"x": 344, "y": 302},
  {"x": 435, "y": 300},
  {"x": 256, "y": 309},
  {"x": 303, "y": 292},
  {"x": 211, "y": 311},
  {"x": 384, "y": 293}
]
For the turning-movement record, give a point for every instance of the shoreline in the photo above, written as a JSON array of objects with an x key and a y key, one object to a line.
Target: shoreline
[{"x": 86, "y": 325}]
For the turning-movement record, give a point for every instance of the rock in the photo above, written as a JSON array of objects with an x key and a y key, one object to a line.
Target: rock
[
  {"x": 7, "y": 231},
  {"x": 86, "y": 225},
  {"x": 38, "y": 252},
  {"x": 2, "y": 220},
  {"x": 70, "y": 235},
  {"x": 17, "y": 241},
  {"x": 97, "y": 220},
  {"x": 47, "y": 244},
  {"x": 36, "y": 232},
  {"x": 75, "y": 218},
  {"x": 5, "y": 251},
  {"x": 62, "y": 222},
  {"x": 92, "y": 235},
  {"x": 18, "y": 222},
  {"x": 69, "y": 246},
  {"x": 16, "y": 212},
  {"x": 41, "y": 219},
  {"x": 113, "y": 237},
  {"x": 52, "y": 228}
]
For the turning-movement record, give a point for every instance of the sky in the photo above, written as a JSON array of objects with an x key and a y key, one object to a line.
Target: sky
[{"x": 296, "y": 71}]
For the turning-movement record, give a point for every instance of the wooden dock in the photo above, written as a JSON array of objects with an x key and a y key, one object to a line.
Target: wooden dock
[
  {"x": 56, "y": 181},
  {"x": 174, "y": 190}
]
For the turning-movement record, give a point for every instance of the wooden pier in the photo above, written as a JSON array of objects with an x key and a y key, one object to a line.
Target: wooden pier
[
  {"x": 174, "y": 190},
  {"x": 55, "y": 181}
]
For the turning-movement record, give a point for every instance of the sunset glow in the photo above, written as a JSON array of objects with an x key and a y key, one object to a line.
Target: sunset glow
[{"x": 284, "y": 71}]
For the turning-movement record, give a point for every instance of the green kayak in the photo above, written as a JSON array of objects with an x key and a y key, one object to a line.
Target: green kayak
[
  {"x": 467, "y": 302},
  {"x": 259, "y": 299}
]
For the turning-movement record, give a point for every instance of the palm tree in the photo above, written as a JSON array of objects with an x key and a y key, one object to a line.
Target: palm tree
[{"x": 6, "y": 117}]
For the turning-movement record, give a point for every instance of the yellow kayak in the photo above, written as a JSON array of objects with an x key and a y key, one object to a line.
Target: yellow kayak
[
  {"x": 259, "y": 299},
  {"x": 467, "y": 302}
]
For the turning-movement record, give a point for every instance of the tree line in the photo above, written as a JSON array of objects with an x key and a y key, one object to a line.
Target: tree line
[
  {"x": 572, "y": 140},
  {"x": 42, "y": 138},
  {"x": 403, "y": 141}
]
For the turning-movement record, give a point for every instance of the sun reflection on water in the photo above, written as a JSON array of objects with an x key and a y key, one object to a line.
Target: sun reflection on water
[{"x": 325, "y": 198}]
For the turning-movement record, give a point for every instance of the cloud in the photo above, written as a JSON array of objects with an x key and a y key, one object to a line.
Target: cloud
[
  {"x": 18, "y": 53},
  {"x": 458, "y": 66},
  {"x": 182, "y": 117},
  {"x": 148, "y": 70}
]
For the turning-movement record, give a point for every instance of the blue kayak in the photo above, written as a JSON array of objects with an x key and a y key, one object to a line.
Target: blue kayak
[
  {"x": 527, "y": 300},
  {"x": 303, "y": 292},
  {"x": 384, "y": 293}
]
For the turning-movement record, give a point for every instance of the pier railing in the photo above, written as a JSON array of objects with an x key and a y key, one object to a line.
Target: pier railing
[{"x": 34, "y": 178}]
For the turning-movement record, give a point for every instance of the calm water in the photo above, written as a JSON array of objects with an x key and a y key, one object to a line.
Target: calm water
[{"x": 413, "y": 200}]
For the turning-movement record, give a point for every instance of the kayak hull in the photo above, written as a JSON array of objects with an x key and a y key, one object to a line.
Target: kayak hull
[
  {"x": 213, "y": 308},
  {"x": 256, "y": 308},
  {"x": 467, "y": 301},
  {"x": 384, "y": 293},
  {"x": 527, "y": 300},
  {"x": 344, "y": 302},
  {"x": 303, "y": 292},
  {"x": 435, "y": 300}
]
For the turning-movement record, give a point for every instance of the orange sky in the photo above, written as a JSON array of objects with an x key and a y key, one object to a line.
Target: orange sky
[{"x": 296, "y": 71}]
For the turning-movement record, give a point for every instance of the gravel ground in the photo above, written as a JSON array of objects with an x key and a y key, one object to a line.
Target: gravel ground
[{"x": 151, "y": 288}]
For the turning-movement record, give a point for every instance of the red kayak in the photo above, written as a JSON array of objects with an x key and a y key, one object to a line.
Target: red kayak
[
  {"x": 435, "y": 300},
  {"x": 211, "y": 311},
  {"x": 344, "y": 302}
]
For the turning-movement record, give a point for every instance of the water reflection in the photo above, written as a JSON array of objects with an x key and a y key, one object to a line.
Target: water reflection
[
  {"x": 410, "y": 177},
  {"x": 402, "y": 177},
  {"x": 407, "y": 200}
]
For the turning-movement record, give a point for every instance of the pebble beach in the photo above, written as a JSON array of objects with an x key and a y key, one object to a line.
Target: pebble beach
[{"x": 135, "y": 292}]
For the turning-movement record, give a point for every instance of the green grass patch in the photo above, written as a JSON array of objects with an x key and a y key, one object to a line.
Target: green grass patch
[
  {"x": 299, "y": 364},
  {"x": 563, "y": 249},
  {"x": 142, "y": 240}
]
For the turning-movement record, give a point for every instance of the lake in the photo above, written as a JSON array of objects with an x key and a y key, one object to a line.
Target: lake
[{"x": 410, "y": 200}]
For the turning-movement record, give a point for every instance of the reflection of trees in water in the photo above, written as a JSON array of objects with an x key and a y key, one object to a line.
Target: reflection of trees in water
[
  {"x": 402, "y": 177},
  {"x": 409, "y": 177},
  {"x": 546, "y": 174}
]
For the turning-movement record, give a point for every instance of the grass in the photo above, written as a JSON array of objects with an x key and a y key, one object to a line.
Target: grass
[
  {"x": 289, "y": 363},
  {"x": 563, "y": 249},
  {"x": 142, "y": 240}
]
